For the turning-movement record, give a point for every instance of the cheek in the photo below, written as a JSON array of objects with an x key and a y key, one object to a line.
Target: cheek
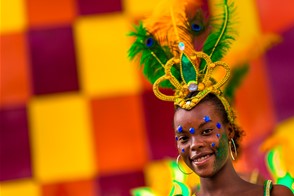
[{"x": 222, "y": 149}]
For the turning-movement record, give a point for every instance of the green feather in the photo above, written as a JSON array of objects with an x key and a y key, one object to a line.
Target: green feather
[
  {"x": 152, "y": 57},
  {"x": 238, "y": 74},
  {"x": 219, "y": 41}
]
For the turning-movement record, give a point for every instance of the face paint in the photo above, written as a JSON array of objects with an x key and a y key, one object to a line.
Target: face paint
[
  {"x": 222, "y": 151},
  {"x": 218, "y": 135},
  {"x": 177, "y": 138},
  {"x": 183, "y": 150}
]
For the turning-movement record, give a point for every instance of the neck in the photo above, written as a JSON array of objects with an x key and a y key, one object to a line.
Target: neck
[{"x": 222, "y": 182}]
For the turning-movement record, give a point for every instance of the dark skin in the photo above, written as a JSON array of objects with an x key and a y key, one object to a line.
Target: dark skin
[{"x": 212, "y": 162}]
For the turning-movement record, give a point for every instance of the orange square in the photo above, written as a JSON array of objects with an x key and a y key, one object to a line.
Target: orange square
[
  {"x": 14, "y": 70},
  {"x": 50, "y": 12},
  {"x": 73, "y": 188},
  {"x": 120, "y": 140}
]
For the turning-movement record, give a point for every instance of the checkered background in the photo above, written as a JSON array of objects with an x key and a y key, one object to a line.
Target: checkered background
[{"x": 78, "y": 119}]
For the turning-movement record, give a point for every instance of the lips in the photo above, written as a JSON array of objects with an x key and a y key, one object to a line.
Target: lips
[{"x": 201, "y": 158}]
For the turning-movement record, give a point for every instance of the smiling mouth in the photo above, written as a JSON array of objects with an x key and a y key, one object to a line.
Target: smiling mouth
[{"x": 201, "y": 160}]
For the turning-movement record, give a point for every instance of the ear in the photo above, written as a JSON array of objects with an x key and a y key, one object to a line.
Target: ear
[{"x": 230, "y": 131}]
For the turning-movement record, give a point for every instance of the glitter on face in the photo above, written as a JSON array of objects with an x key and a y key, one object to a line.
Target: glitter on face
[
  {"x": 222, "y": 151},
  {"x": 218, "y": 125}
]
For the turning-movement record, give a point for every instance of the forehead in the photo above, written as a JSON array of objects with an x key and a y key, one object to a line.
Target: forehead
[{"x": 196, "y": 114}]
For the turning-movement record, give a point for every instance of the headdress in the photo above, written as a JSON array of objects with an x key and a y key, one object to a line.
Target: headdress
[{"x": 180, "y": 48}]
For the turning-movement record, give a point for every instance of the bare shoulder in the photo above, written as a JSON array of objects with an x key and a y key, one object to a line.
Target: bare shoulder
[{"x": 281, "y": 190}]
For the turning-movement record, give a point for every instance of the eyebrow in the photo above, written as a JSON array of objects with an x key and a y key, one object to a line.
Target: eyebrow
[{"x": 203, "y": 123}]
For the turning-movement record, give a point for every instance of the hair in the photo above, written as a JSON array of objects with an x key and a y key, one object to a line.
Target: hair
[{"x": 235, "y": 129}]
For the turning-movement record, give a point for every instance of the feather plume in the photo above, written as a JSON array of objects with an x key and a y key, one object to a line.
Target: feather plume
[
  {"x": 219, "y": 41},
  {"x": 152, "y": 56},
  {"x": 169, "y": 24}
]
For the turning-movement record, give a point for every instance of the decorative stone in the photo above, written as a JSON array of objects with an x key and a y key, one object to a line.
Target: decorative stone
[
  {"x": 181, "y": 46},
  {"x": 180, "y": 129},
  {"x": 193, "y": 87},
  {"x": 206, "y": 119},
  {"x": 192, "y": 130},
  {"x": 188, "y": 102},
  {"x": 218, "y": 125},
  {"x": 213, "y": 144},
  {"x": 183, "y": 150}
]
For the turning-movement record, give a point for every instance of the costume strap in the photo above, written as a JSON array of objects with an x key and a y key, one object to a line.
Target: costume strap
[{"x": 267, "y": 187}]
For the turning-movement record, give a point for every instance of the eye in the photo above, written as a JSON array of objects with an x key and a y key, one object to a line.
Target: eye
[
  {"x": 149, "y": 42},
  {"x": 196, "y": 27},
  {"x": 207, "y": 131},
  {"x": 183, "y": 139}
]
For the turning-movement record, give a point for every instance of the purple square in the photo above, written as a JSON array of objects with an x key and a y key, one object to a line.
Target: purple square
[
  {"x": 280, "y": 65},
  {"x": 53, "y": 60},
  {"x": 159, "y": 125},
  {"x": 120, "y": 184},
  {"x": 99, "y": 6},
  {"x": 15, "y": 157}
]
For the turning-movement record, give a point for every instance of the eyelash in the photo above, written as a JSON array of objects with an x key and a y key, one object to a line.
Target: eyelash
[{"x": 183, "y": 139}]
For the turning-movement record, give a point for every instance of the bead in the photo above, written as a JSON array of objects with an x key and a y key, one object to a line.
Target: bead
[
  {"x": 218, "y": 135},
  {"x": 218, "y": 125},
  {"x": 212, "y": 65},
  {"x": 213, "y": 144},
  {"x": 180, "y": 129},
  {"x": 183, "y": 150},
  {"x": 181, "y": 46},
  {"x": 201, "y": 86},
  {"x": 192, "y": 130},
  {"x": 206, "y": 119}
]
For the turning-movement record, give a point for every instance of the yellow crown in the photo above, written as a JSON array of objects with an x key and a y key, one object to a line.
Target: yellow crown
[{"x": 193, "y": 81}]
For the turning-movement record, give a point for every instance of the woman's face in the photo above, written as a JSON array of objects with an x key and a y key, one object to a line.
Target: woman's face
[{"x": 202, "y": 139}]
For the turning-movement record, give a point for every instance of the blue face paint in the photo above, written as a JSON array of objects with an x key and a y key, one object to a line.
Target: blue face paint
[
  {"x": 206, "y": 119},
  {"x": 192, "y": 130},
  {"x": 177, "y": 138},
  {"x": 218, "y": 135},
  {"x": 213, "y": 144},
  {"x": 218, "y": 125},
  {"x": 183, "y": 150},
  {"x": 180, "y": 129}
]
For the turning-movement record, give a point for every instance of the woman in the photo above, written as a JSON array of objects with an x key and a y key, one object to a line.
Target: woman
[
  {"x": 205, "y": 142},
  {"x": 181, "y": 48}
]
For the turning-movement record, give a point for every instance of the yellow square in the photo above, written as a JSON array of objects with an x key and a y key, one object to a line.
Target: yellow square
[
  {"x": 12, "y": 16},
  {"x": 20, "y": 187},
  {"x": 102, "y": 44},
  {"x": 137, "y": 8},
  {"x": 61, "y": 138}
]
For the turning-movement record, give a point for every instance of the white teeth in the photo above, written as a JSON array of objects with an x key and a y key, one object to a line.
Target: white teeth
[{"x": 202, "y": 158}]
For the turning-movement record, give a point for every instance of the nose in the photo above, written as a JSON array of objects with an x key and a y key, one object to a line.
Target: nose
[{"x": 196, "y": 143}]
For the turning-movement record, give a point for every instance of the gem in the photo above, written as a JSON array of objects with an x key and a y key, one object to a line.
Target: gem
[
  {"x": 213, "y": 144},
  {"x": 192, "y": 130},
  {"x": 180, "y": 128},
  {"x": 177, "y": 138},
  {"x": 183, "y": 150},
  {"x": 218, "y": 125},
  {"x": 218, "y": 135},
  {"x": 188, "y": 102},
  {"x": 193, "y": 87},
  {"x": 206, "y": 119},
  {"x": 181, "y": 46}
]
